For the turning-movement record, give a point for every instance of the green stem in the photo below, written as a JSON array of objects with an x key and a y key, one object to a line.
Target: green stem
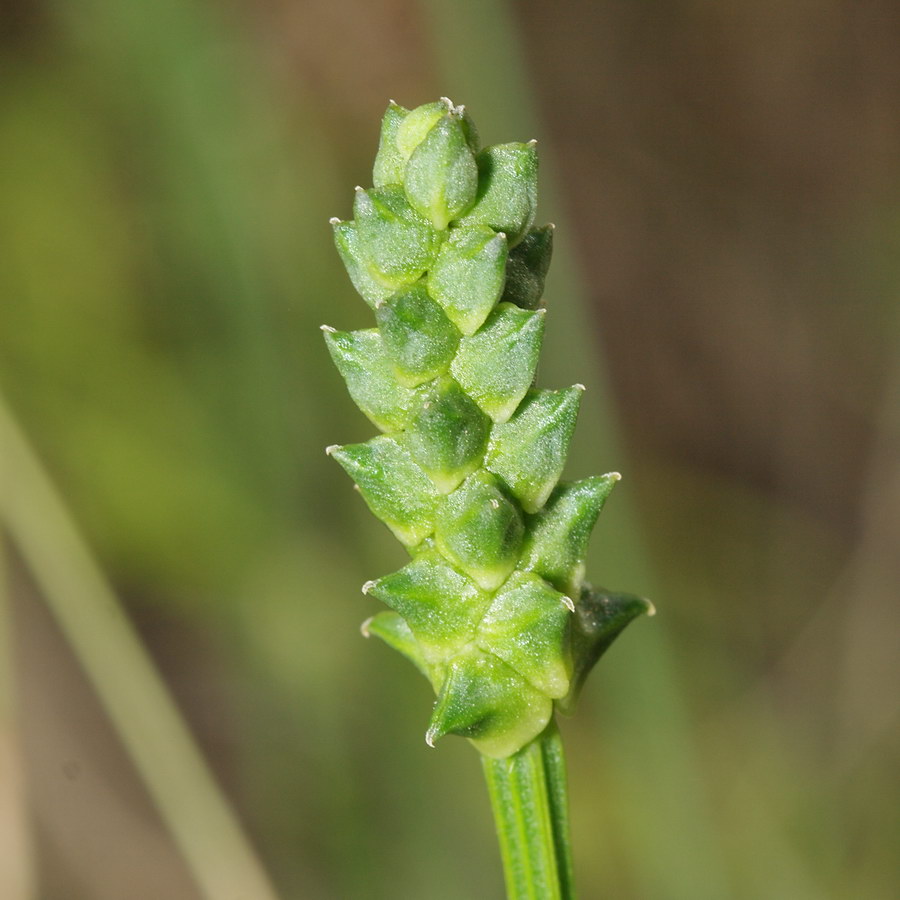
[{"x": 529, "y": 800}]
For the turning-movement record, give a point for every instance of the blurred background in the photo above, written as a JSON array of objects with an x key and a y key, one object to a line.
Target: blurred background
[{"x": 725, "y": 180}]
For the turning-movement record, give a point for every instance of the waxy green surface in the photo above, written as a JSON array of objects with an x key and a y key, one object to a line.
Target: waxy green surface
[{"x": 493, "y": 608}]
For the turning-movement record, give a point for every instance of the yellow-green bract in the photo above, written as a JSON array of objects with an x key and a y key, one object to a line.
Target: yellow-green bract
[{"x": 493, "y": 607}]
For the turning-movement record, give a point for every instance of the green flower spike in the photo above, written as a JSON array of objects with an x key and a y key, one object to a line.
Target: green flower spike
[{"x": 493, "y": 607}]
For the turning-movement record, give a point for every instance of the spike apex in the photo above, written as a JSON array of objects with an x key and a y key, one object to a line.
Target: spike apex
[{"x": 492, "y": 608}]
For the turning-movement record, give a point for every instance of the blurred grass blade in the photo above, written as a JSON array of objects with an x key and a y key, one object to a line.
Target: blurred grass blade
[
  {"x": 201, "y": 822},
  {"x": 16, "y": 861}
]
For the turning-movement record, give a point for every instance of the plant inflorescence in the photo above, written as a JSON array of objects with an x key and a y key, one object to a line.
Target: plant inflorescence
[{"x": 493, "y": 607}]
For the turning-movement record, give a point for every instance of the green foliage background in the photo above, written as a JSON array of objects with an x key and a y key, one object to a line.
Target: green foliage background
[{"x": 725, "y": 187}]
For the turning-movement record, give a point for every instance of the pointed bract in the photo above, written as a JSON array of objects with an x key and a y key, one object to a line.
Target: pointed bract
[
  {"x": 419, "y": 593},
  {"x": 362, "y": 360},
  {"x": 528, "y": 452},
  {"x": 527, "y": 627},
  {"x": 393, "y": 485},
  {"x": 448, "y": 435},
  {"x": 485, "y": 700},
  {"x": 420, "y": 340},
  {"x": 480, "y": 530},
  {"x": 527, "y": 268},
  {"x": 496, "y": 366},
  {"x": 558, "y": 534},
  {"x": 369, "y": 287},
  {"x": 441, "y": 176},
  {"x": 600, "y": 617},
  {"x": 467, "y": 276},
  {"x": 397, "y": 243},
  {"x": 507, "y": 190}
]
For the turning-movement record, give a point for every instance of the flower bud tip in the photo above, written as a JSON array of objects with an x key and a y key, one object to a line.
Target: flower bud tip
[
  {"x": 430, "y": 737},
  {"x": 448, "y": 101},
  {"x": 364, "y": 628},
  {"x": 368, "y": 587},
  {"x": 359, "y": 189},
  {"x": 580, "y": 386},
  {"x": 569, "y": 604},
  {"x": 331, "y": 448},
  {"x": 651, "y": 609},
  {"x": 334, "y": 220},
  {"x": 616, "y": 476},
  {"x": 532, "y": 143},
  {"x": 327, "y": 329}
]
